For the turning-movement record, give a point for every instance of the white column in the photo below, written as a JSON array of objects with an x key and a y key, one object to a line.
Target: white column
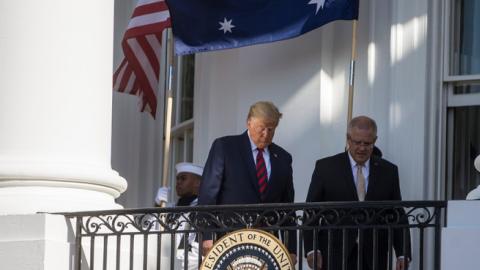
[{"x": 55, "y": 106}]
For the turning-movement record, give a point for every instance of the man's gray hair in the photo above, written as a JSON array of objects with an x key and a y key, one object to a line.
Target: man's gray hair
[
  {"x": 265, "y": 109},
  {"x": 362, "y": 122}
]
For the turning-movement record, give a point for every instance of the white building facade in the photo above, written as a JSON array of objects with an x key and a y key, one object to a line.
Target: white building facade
[
  {"x": 416, "y": 74},
  {"x": 62, "y": 142}
]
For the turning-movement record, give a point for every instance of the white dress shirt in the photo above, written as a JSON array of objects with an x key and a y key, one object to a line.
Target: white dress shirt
[{"x": 365, "y": 171}]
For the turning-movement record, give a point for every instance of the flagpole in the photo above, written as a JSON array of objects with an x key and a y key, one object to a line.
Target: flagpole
[
  {"x": 351, "y": 80},
  {"x": 168, "y": 110}
]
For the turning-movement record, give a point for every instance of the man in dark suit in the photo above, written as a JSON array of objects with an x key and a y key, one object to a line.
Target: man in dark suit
[
  {"x": 357, "y": 175},
  {"x": 249, "y": 168}
]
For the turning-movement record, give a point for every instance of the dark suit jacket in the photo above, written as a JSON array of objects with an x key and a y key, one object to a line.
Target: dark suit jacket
[
  {"x": 332, "y": 180},
  {"x": 229, "y": 176}
]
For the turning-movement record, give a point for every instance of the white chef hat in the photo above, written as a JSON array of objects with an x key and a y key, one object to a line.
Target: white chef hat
[{"x": 189, "y": 168}]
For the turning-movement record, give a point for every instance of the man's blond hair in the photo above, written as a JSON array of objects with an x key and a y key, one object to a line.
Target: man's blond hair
[{"x": 266, "y": 110}]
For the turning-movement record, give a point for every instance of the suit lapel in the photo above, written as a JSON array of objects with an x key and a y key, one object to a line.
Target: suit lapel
[
  {"x": 348, "y": 177},
  {"x": 275, "y": 167},
  {"x": 247, "y": 156},
  {"x": 372, "y": 178}
]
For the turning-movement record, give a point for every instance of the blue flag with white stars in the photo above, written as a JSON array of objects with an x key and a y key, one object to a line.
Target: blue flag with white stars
[{"x": 207, "y": 25}]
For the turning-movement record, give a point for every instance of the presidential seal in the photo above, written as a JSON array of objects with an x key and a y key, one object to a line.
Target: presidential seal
[{"x": 248, "y": 249}]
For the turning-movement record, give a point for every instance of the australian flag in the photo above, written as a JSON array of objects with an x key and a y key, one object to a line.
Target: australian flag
[{"x": 206, "y": 25}]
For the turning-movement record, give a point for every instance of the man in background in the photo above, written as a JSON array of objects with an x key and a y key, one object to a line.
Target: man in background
[{"x": 187, "y": 187}]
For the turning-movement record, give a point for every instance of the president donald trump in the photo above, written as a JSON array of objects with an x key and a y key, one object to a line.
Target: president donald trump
[{"x": 249, "y": 168}]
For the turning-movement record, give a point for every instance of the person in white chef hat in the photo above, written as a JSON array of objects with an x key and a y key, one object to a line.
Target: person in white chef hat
[{"x": 187, "y": 186}]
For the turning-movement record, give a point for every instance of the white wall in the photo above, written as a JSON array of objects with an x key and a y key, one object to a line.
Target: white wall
[
  {"x": 307, "y": 78},
  {"x": 460, "y": 238}
]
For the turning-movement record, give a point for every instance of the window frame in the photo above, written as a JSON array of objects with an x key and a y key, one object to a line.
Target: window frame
[
  {"x": 450, "y": 80},
  {"x": 179, "y": 129}
]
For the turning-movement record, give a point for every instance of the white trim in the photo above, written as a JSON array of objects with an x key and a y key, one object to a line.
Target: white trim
[
  {"x": 460, "y": 100},
  {"x": 464, "y": 100},
  {"x": 436, "y": 103},
  {"x": 185, "y": 144},
  {"x": 447, "y": 41},
  {"x": 178, "y": 92},
  {"x": 442, "y": 145},
  {"x": 449, "y": 154},
  {"x": 178, "y": 129},
  {"x": 463, "y": 78}
]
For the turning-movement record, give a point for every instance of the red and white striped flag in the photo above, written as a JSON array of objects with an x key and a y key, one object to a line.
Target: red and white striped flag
[{"x": 139, "y": 71}]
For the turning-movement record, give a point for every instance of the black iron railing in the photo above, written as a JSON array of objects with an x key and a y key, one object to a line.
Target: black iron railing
[{"x": 156, "y": 238}]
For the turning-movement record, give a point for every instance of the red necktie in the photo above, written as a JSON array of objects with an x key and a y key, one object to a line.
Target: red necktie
[{"x": 261, "y": 172}]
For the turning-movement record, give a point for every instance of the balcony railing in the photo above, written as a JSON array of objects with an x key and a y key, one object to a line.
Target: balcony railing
[{"x": 155, "y": 238}]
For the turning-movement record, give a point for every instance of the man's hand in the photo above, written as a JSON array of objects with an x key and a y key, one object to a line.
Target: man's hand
[
  {"x": 207, "y": 246},
  {"x": 319, "y": 260},
  {"x": 402, "y": 264}
]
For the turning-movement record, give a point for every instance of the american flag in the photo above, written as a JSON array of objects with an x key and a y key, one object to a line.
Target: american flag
[{"x": 138, "y": 73}]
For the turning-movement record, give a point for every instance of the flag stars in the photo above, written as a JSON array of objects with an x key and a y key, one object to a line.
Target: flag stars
[
  {"x": 226, "y": 26},
  {"x": 319, "y": 3}
]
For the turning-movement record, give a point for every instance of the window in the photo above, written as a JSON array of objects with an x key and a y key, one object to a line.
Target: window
[
  {"x": 466, "y": 38},
  {"x": 466, "y": 142},
  {"x": 182, "y": 122},
  {"x": 182, "y": 113},
  {"x": 462, "y": 83}
]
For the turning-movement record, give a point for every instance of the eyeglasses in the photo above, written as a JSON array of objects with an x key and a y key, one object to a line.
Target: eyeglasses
[{"x": 361, "y": 143}]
